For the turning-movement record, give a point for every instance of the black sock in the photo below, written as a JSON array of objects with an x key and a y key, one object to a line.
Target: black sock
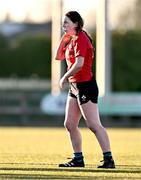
[
  {"x": 78, "y": 156},
  {"x": 107, "y": 155}
]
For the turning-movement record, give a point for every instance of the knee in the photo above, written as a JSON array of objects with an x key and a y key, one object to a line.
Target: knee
[
  {"x": 69, "y": 125},
  {"x": 95, "y": 127}
]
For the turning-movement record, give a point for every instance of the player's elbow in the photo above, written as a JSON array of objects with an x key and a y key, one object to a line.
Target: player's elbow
[
  {"x": 79, "y": 62},
  {"x": 79, "y": 67}
]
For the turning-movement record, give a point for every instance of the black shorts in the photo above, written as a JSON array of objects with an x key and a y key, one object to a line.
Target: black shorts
[{"x": 84, "y": 91}]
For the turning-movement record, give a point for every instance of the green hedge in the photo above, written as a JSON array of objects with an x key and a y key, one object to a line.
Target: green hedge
[
  {"x": 126, "y": 61},
  {"x": 26, "y": 56}
]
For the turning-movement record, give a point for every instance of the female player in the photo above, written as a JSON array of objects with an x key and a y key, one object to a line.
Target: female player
[{"x": 76, "y": 48}]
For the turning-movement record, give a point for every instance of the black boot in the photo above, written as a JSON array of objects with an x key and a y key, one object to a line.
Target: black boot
[
  {"x": 75, "y": 162},
  {"x": 107, "y": 163}
]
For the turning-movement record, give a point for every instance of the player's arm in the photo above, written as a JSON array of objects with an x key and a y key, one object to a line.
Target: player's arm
[
  {"x": 79, "y": 61},
  {"x": 60, "y": 52},
  {"x": 75, "y": 67}
]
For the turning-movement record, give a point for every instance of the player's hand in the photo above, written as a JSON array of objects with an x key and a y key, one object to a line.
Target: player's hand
[
  {"x": 63, "y": 80},
  {"x": 66, "y": 39}
]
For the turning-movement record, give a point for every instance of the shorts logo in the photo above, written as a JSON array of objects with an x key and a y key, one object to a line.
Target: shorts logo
[{"x": 83, "y": 98}]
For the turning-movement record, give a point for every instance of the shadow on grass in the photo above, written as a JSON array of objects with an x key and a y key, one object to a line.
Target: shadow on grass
[
  {"x": 39, "y": 176},
  {"x": 18, "y": 172},
  {"x": 53, "y": 167},
  {"x": 117, "y": 170}
]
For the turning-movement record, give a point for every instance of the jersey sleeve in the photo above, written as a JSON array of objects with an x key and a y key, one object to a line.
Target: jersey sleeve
[{"x": 80, "y": 46}]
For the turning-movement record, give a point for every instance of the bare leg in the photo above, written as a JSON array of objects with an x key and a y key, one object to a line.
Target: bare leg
[
  {"x": 90, "y": 113},
  {"x": 72, "y": 118}
]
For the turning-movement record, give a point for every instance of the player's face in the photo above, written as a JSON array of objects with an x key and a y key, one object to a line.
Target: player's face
[{"x": 68, "y": 26}]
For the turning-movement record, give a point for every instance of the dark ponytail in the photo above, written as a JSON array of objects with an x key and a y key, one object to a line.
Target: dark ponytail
[{"x": 88, "y": 36}]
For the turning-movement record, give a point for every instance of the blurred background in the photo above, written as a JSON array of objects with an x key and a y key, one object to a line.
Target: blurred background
[{"x": 25, "y": 60}]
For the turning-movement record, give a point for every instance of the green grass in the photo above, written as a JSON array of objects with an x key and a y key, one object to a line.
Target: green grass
[{"x": 34, "y": 153}]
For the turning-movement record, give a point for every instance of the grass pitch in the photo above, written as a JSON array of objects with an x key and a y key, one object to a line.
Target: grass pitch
[{"x": 34, "y": 153}]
